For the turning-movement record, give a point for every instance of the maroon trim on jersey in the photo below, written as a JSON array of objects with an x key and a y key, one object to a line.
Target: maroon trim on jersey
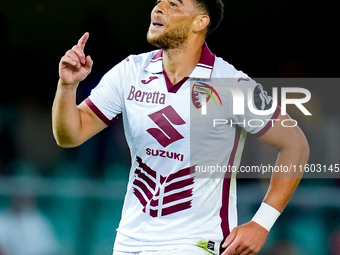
[
  {"x": 224, "y": 212},
  {"x": 270, "y": 123},
  {"x": 173, "y": 88},
  {"x": 206, "y": 61},
  {"x": 157, "y": 57},
  {"x": 207, "y": 58},
  {"x": 153, "y": 66},
  {"x": 97, "y": 112}
]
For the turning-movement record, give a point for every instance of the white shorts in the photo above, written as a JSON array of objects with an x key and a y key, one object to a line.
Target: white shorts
[{"x": 194, "y": 250}]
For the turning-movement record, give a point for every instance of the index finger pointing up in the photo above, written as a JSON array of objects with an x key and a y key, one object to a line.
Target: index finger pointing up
[{"x": 82, "y": 41}]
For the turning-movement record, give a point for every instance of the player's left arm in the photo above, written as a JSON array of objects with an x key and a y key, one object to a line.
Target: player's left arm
[{"x": 293, "y": 151}]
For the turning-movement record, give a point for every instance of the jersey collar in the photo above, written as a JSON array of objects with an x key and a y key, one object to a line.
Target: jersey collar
[{"x": 203, "y": 69}]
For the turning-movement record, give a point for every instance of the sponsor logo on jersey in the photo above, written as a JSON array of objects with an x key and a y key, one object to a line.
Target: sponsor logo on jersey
[
  {"x": 163, "y": 195},
  {"x": 165, "y": 119},
  {"x": 146, "y": 97},
  {"x": 164, "y": 154},
  {"x": 152, "y": 78},
  {"x": 201, "y": 94}
]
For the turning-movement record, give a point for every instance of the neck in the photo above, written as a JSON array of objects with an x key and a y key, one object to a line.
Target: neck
[{"x": 180, "y": 62}]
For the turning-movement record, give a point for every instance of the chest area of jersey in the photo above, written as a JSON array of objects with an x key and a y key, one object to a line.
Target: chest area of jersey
[
  {"x": 149, "y": 89},
  {"x": 167, "y": 115},
  {"x": 152, "y": 111}
]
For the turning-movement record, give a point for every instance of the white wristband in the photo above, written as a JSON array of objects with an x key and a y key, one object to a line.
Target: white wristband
[{"x": 266, "y": 216}]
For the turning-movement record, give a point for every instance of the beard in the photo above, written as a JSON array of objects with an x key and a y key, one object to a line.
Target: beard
[{"x": 173, "y": 38}]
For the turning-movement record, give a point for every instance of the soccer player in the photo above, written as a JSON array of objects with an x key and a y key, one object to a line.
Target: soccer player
[{"x": 168, "y": 207}]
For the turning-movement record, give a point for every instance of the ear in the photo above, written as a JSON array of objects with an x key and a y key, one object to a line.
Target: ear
[{"x": 201, "y": 22}]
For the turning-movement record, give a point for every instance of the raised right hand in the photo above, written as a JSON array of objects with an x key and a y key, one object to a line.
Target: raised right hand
[{"x": 74, "y": 66}]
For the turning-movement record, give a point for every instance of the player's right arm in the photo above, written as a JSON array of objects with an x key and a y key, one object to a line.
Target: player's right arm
[{"x": 73, "y": 125}]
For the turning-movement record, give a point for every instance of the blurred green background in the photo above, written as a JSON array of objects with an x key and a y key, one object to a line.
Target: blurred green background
[{"x": 74, "y": 196}]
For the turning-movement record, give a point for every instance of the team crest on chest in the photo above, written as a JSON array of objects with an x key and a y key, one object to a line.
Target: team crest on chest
[{"x": 200, "y": 91}]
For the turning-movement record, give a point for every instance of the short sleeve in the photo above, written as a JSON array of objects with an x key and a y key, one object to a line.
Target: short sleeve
[
  {"x": 106, "y": 99},
  {"x": 259, "y": 110}
]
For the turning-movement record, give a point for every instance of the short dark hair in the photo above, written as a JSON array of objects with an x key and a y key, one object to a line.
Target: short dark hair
[{"x": 215, "y": 10}]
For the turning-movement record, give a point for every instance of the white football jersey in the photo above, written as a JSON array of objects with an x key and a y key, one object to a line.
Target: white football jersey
[{"x": 168, "y": 203}]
